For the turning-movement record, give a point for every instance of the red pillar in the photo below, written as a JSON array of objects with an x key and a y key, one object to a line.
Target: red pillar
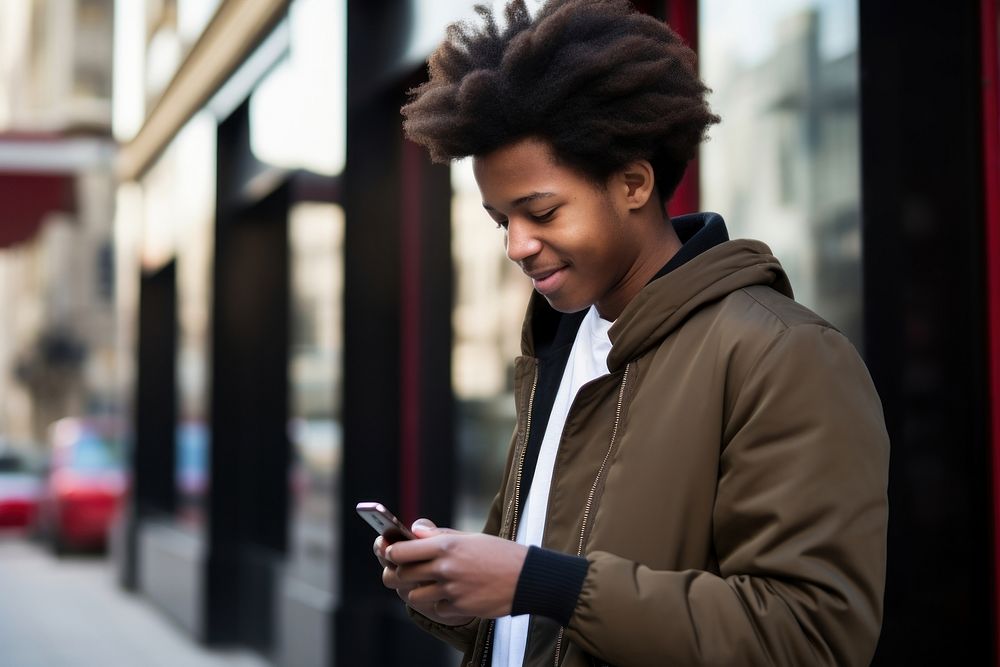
[
  {"x": 682, "y": 16},
  {"x": 990, "y": 16},
  {"x": 411, "y": 272}
]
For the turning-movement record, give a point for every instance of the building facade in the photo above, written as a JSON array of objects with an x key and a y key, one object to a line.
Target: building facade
[{"x": 58, "y": 348}]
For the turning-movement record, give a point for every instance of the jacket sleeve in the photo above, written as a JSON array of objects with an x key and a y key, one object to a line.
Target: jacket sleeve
[
  {"x": 461, "y": 637},
  {"x": 799, "y": 530}
]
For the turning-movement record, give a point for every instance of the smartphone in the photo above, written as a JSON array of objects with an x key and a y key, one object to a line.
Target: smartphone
[{"x": 384, "y": 522}]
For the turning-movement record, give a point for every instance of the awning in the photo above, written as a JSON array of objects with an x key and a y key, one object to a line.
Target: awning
[
  {"x": 38, "y": 177},
  {"x": 26, "y": 199}
]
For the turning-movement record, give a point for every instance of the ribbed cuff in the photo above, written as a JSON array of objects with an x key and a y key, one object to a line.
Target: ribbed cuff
[{"x": 549, "y": 584}]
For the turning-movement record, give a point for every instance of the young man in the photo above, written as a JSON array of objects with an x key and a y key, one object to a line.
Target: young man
[{"x": 699, "y": 469}]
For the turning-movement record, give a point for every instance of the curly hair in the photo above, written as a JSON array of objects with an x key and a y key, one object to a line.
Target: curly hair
[{"x": 602, "y": 83}]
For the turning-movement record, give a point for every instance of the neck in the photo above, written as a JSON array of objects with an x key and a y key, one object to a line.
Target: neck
[{"x": 654, "y": 249}]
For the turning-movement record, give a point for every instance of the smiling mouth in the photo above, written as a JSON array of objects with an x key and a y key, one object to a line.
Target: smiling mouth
[{"x": 547, "y": 281}]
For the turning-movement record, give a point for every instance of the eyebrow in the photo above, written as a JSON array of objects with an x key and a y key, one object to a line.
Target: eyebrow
[{"x": 523, "y": 200}]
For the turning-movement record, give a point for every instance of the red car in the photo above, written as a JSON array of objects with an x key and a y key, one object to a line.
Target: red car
[
  {"x": 19, "y": 490},
  {"x": 84, "y": 486}
]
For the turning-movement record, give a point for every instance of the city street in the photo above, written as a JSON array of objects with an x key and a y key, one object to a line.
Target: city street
[{"x": 70, "y": 612}]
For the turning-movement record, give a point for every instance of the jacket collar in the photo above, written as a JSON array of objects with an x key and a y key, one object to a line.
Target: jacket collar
[{"x": 705, "y": 272}]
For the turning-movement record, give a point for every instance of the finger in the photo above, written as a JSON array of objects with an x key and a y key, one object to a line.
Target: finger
[
  {"x": 404, "y": 595},
  {"x": 378, "y": 548},
  {"x": 381, "y": 548},
  {"x": 427, "y": 594},
  {"x": 446, "y": 609},
  {"x": 414, "y": 551},
  {"x": 391, "y": 580},
  {"x": 417, "y": 573},
  {"x": 424, "y": 528}
]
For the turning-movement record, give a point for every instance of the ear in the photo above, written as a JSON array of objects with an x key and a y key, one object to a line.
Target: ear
[{"x": 635, "y": 183}]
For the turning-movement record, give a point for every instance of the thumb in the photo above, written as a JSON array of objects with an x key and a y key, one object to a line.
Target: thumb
[{"x": 424, "y": 528}]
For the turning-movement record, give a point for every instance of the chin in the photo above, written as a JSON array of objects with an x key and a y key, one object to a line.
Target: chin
[{"x": 565, "y": 305}]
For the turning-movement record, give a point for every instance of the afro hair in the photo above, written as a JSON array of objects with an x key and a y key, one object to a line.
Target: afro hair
[{"x": 603, "y": 84}]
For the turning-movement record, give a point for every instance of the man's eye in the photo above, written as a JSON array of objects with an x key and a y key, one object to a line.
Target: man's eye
[
  {"x": 501, "y": 224},
  {"x": 544, "y": 217}
]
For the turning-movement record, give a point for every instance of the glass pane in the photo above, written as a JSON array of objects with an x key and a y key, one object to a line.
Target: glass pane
[
  {"x": 784, "y": 165},
  {"x": 92, "y": 55},
  {"x": 192, "y": 157},
  {"x": 491, "y": 295},
  {"x": 94, "y": 453},
  {"x": 297, "y": 113},
  {"x": 317, "y": 274}
]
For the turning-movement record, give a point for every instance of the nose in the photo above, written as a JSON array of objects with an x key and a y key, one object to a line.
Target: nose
[{"x": 520, "y": 240}]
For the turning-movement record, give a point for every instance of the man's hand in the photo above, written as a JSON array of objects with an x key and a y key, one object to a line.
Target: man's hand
[{"x": 452, "y": 577}]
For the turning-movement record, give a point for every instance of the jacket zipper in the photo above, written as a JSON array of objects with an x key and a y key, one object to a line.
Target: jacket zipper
[
  {"x": 512, "y": 530},
  {"x": 593, "y": 491},
  {"x": 515, "y": 518},
  {"x": 486, "y": 644}
]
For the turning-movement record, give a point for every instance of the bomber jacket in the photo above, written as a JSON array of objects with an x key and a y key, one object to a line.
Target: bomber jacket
[{"x": 725, "y": 483}]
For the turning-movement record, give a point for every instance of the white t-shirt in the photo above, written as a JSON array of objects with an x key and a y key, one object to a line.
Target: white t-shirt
[{"x": 587, "y": 361}]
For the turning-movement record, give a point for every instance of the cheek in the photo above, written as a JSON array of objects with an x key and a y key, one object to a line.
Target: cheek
[
  {"x": 601, "y": 238},
  {"x": 591, "y": 227}
]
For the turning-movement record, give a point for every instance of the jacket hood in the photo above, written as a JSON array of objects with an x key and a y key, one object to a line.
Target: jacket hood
[{"x": 666, "y": 302}]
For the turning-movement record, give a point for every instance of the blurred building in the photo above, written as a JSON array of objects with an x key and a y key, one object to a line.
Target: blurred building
[
  {"x": 56, "y": 198},
  {"x": 296, "y": 311},
  {"x": 796, "y": 109}
]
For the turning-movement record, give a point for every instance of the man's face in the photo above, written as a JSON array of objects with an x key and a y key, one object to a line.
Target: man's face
[{"x": 568, "y": 234}]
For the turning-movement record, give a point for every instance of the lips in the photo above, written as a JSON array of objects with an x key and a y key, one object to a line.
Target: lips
[{"x": 548, "y": 280}]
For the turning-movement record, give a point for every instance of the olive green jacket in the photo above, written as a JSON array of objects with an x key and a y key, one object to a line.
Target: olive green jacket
[{"x": 726, "y": 483}]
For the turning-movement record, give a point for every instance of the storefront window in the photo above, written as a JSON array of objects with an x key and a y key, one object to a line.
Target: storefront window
[
  {"x": 491, "y": 295},
  {"x": 181, "y": 229},
  {"x": 784, "y": 165},
  {"x": 297, "y": 118},
  {"x": 193, "y": 155},
  {"x": 316, "y": 234},
  {"x": 297, "y": 113},
  {"x": 127, "y": 239}
]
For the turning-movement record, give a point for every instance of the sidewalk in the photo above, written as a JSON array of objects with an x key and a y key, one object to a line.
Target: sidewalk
[{"x": 70, "y": 613}]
